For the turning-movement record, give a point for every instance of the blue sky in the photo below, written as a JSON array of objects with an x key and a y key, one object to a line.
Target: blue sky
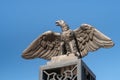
[{"x": 21, "y": 21}]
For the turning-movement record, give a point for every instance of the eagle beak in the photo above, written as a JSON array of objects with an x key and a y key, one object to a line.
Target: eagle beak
[{"x": 57, "y": 23}]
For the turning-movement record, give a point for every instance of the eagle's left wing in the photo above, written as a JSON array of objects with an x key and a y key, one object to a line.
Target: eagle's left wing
[
  {"x": 90, "y": 39},
  {"x": 45, "y": 46}
]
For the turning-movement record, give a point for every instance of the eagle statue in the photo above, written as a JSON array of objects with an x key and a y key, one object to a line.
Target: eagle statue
[{"x": 78, "y": 42}]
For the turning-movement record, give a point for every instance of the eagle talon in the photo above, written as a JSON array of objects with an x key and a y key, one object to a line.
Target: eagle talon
[
  {"x": 67, "y": 53},
  {"x": 77, "y": 54}
]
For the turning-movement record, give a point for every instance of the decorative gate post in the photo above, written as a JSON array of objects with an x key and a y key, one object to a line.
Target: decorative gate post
[{"x": 66, "y": 68}]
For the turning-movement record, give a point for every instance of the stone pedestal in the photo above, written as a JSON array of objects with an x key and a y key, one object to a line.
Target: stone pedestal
[{"x": 66, "y": 68}]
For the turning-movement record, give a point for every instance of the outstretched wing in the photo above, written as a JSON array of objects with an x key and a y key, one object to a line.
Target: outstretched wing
[
  {"x": 45, "y": 46},
  {"x": 90, "y": 39}
]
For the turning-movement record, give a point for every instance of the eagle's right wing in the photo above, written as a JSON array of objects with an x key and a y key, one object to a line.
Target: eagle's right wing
[
  {"x": 45, "y": 46},
  {"x": 91, "y": 39}
]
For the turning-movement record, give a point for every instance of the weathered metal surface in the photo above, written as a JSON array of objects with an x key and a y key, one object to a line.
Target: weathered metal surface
[
  {"x": 78, "y": 42},
  {"x": 74, "y": 69}
]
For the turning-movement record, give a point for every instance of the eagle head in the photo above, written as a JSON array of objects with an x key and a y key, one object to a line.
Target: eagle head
[{"x": 62, "y": 24}]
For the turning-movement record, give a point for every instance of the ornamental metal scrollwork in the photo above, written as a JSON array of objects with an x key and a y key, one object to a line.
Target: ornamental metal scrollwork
[{"x": 68, "y": 74}]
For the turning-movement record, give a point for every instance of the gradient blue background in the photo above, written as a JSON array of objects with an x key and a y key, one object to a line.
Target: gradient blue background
[{"x": 21, "y": 21}]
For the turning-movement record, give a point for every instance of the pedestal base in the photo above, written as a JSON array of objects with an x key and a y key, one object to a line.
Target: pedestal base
[{"x": 66, "y": 68}]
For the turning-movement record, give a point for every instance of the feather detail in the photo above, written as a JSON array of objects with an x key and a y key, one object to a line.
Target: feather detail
[
  {"x": 43, "y": 46},
  {"x": 91, "y": 39}
]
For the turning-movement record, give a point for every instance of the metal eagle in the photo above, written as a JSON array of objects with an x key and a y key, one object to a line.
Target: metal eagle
[{"x": 78, "y": 42}]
